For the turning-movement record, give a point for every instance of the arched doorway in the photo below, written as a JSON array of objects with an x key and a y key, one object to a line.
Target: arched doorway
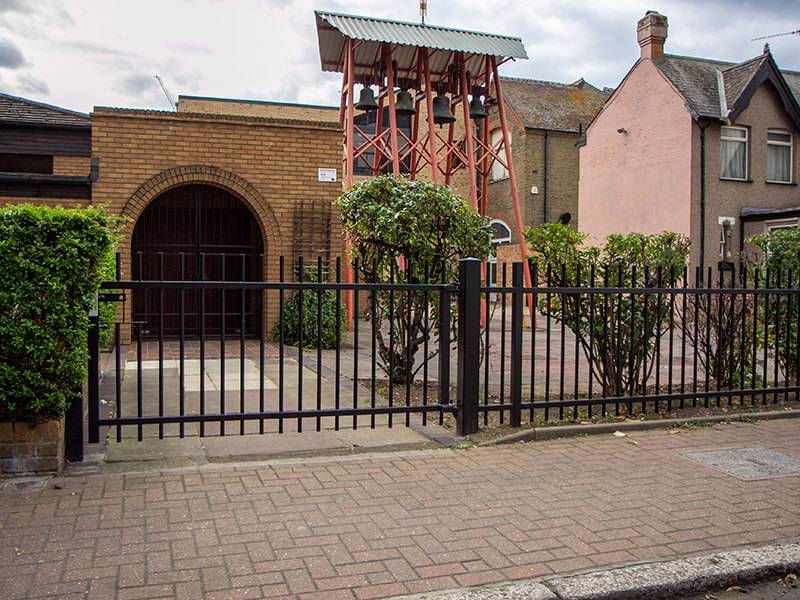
[{"x": 197, "y": 232}]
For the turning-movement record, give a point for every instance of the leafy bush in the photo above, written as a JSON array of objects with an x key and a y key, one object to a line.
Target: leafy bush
[
  {"x": 50, "y": 265},
  {"x": 311, "y": 301},
  {"x": 389, "y": 218},
  {"x": 779, "y": 264},
  {"x": 618, "y": 332},
  {"x": 108, "y": 310}
]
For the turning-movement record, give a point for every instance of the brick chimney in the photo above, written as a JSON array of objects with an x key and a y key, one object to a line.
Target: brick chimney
[{"x": 651, "y": 32}]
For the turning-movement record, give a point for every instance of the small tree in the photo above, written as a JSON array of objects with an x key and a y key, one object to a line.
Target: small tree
[
  {"x": 618, "y": 332},
  {"x": 779, "y": 314},
  {"x": 409, "y": 232}
]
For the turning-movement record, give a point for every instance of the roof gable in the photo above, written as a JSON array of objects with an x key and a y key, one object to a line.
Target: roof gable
[
  {"x": 22, "y": 111},
  {"x": 746, "y": 80},
  {"x": 722, "y": 90}
]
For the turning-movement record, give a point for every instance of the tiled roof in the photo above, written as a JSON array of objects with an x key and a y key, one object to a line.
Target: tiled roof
[
  {"x": 16, "y": 110},
  {"x": 697, "y": 79},
  {"x": 736, "y": 78},
  {"x": 554, "y": 106}
]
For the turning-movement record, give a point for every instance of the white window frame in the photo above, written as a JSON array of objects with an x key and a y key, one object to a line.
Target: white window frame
[
  {"x": 782, "y": 224},
  {"x": 790, "y": 143},
  {"x": 498, "y": 171},
  {"x": 746, "y": 141},
  {"x": 499, "y": 241}
]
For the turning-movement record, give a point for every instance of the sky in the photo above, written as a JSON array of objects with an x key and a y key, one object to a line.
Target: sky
[{"x": 85, "y": 53}]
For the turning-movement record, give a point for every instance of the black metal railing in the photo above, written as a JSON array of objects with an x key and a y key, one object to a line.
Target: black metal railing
[
  {"x": 616, "y": 343},
  {"x": 159, "y": 383},
  {"x": 581, "y": 343}
]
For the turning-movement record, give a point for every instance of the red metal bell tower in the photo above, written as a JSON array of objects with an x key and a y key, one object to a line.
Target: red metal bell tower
[{"x": 426, "y": 61}]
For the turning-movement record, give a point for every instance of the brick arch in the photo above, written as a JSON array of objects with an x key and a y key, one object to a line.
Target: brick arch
[{"x": 204, "y": 174}]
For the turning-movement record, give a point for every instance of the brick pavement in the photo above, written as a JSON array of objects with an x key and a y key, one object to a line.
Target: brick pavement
[{"x": 374, "y": 527}]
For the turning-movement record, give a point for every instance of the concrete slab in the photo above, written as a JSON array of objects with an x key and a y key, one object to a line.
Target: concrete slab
[
  {"x": 749, "y": 464},
  {"x": 674, "y": 578},
  {"x": 383, "y": 436},
  {"x": 153, "y": 449},
  {"x": 310, "y": 442},
  {"x": 236, "y": 447},
  {"x": 514, "y": 591}
]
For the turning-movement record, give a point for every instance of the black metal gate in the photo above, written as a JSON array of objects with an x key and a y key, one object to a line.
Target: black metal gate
[
  {"x": 229, "y": 383},
  {"x": 195, "y": 233}
]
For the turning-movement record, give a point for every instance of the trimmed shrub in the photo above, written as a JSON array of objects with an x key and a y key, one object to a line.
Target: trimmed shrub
[
  {"x": 779, "y": 267},
  {"x": 611, "y": 332},
  {"x": 108, "y": 310},
  {"x": 432, "y": 227},
  {"x": 50, "y": 268},
  {"x": 311, "y": 301}
]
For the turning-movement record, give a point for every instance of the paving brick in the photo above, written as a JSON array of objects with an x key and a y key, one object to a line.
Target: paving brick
[{"x": 413, "y": 524}]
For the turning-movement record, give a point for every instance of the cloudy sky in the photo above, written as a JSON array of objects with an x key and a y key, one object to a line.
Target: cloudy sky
[{"x": 85, "y": 53}]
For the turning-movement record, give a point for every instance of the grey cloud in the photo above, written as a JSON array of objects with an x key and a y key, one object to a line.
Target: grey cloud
[
  {"x": 19, "y": 6},
  {"x": 29, "y": 85},
  {"x": 136, "y": 85},
  {"x": 31, "y": 14},
  {"x": 11, "y": 56}
]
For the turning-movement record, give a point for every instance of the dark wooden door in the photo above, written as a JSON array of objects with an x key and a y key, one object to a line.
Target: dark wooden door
[{"x": 197, "y": 232}]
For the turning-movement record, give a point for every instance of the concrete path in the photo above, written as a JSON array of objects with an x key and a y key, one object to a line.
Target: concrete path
[{"x": 394, "y": 524}]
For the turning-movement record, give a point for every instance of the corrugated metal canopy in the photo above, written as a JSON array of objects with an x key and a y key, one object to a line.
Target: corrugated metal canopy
[{"x": 333, "y": 28}]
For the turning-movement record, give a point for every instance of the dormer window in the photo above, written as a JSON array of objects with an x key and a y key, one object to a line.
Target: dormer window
[
  {"x": 733, "y": 153},
  {"x": 779, "y": 156}
]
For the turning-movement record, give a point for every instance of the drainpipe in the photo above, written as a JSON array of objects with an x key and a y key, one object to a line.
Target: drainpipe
[
  {"x": 702, "y": 196},
  {"x": 545, "y": 207}
]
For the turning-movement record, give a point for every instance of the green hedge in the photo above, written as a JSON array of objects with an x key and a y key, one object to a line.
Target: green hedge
[
  {"x": 50, "y": 268},
  {"x": 311, "y": 299}
]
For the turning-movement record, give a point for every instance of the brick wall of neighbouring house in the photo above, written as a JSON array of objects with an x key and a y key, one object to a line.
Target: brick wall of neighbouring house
[
  {"x": 562, "y": 178},
  {"x": 270, "y": 164},
  {"x": 62, "y": 165},
  {"x": 72, "y": 165}
]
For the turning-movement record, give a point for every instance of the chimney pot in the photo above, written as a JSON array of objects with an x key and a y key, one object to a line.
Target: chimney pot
[{"x": 651, "y": 32}]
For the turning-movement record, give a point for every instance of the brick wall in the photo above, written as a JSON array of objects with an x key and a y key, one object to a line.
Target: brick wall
[
  {"x": 72, "y": 165},
  {"x": 270, "y": 164},
  {"x": 255, "y": 108},
  {"x": 528, "y": 148},
  {"x": 62, "y": 165}
]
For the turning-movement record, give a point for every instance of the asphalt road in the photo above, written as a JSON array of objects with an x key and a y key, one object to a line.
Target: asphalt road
[{"x": 768, "y": 590}]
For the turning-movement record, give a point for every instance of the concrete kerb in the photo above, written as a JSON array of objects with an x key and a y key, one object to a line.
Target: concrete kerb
[
  {"x": 652, "y": 580},
  {"x": 562, "y": 431}
]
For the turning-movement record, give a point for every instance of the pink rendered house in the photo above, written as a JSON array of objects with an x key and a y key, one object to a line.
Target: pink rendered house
[{"x": 697, "y": 146}]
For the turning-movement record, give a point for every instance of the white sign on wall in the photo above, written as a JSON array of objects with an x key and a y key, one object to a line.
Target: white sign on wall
[{"x": 326, "y": 175}]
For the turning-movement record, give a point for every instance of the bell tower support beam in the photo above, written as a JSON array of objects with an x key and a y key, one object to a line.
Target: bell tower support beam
[
  {"x": 512, "y": 178},
  {"x": 468, "y": 133},
  {"x": 349, "y": 168}
]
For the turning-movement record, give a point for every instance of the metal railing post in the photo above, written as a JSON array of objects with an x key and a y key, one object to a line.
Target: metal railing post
[
  {"x": 469, "y": 351},
  {"x": 516, "y": 344},
  {"x": 73, "y": 428},
  {"x": 93, "y": 384}
]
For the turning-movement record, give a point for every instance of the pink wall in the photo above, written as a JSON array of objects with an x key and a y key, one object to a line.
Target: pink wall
[{"x": 624, "y": 175}]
